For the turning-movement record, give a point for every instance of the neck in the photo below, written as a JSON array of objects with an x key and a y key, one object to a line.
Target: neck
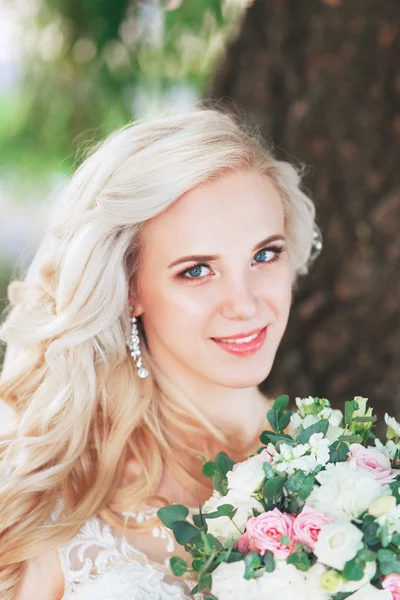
[{"x": 240, "y": 413}]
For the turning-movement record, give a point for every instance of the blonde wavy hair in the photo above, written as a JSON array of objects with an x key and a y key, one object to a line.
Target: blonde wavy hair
[{"x": 81, "y": 410}]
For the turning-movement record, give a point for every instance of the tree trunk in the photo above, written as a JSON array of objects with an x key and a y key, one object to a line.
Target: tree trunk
[{"x": 322, "y": 81}]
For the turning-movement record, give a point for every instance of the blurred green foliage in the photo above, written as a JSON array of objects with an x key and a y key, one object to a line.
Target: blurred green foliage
[{"x": 88, "y": 61}]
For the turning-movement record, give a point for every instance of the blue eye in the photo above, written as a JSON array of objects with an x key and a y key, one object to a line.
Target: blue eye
[
  {"x": 262, "y": 255},
  {"x": 194, "y": 272}
]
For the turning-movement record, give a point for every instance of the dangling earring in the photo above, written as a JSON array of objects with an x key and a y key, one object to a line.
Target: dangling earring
[{"x": 134, "y": 347}]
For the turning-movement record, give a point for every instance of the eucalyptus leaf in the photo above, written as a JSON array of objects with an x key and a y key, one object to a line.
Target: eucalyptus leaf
[
  {"x": 273, "y": 487},
  {"x": 281, "y": 403},
  {"x": 269, "y": 561},
  {"x": 269, "y": 437},
  {"x": 300, "y": 560},
  {"x": 268, "y": 470},
  {"x": 209, "y": 468},
  {"x": 272, "y": 419},
  {"x": 338, "y": 452},
  {"x": 349, "y": 408},
  {"x": 184, "y": 532},
  {"x": 223, "y": 463},
  {"x": 353, "y": 570},
  {"x": 168, "y": 515},
  {"x": 319, "y": 427},
  {"x": 178, "y": 565},
  {"x": 284, "y": 421},
  {"x": 307, "y": 487}
]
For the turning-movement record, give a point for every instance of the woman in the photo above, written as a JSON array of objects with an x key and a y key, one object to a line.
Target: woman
[{"x": 150, "y": 314}]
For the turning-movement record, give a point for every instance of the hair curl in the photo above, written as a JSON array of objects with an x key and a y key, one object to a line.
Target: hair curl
[{"x": 80, "y": 408}]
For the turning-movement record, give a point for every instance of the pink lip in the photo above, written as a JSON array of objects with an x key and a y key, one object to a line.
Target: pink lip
[{"x": 245, "y": 349}]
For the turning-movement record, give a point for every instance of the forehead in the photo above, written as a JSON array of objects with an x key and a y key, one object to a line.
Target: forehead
[{"x": 240, "y": 206}]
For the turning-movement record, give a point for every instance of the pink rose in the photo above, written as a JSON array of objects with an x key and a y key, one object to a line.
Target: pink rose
[
  {"x": 264, "y": 533},
  {"x": 307, "y": 525},
  {"x": 372, "y": 460},
  {"x": 392, "y": 584}
]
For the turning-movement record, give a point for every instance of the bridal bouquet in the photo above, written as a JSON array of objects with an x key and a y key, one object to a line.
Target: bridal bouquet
[{"x": 314, "y": 515}]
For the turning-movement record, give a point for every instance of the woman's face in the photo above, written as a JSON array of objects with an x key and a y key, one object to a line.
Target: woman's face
[{"x": 214, "y": 287}]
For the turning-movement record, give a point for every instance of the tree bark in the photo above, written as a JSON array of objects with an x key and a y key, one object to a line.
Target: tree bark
[{"x": 321, "y": 79}]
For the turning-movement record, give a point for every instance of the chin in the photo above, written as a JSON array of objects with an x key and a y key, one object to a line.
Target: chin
[{"x": 245, "y": 378}]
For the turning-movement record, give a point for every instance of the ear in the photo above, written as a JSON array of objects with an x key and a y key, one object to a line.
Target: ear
[
  {"x": 137, "y": 310},
  {"x": 135, "y": 307}
]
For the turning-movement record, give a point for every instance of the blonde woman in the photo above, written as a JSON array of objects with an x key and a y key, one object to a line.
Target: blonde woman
[{"x": 137, "y": 340}]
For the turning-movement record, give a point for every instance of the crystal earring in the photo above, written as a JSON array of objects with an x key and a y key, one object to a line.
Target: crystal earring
[{"x": 134, "y": 347}]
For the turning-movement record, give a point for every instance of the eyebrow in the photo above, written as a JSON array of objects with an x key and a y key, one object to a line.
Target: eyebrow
[{"x": 211, "y": 257}]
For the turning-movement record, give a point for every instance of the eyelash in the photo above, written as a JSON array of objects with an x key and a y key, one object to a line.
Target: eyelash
[{"x": 276, "y": 249}]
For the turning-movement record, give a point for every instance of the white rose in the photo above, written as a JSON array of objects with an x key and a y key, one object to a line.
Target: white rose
[
  {"x": 223, "y": 528},
  {"x": 344, "y": 491},
  {"x": 369, "y": 592},
  {"x": 353, "y": 586},
  {"x": 288, "y": 582},
  {"x": 247, "y": 476},
  {"x": 337, "y": 543},
  {"x": 228, "y": 582}
]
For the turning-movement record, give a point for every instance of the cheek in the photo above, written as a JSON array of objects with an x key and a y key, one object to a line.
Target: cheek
[
  {"x": 277, "y": 290},
  {"x": 178, "y": 307}
]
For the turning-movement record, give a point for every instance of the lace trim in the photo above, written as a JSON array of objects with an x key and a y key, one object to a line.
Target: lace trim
[{"x": 159, "y": 531}]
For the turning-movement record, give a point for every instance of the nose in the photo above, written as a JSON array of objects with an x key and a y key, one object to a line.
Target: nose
[{"x": 239, "y": 299}]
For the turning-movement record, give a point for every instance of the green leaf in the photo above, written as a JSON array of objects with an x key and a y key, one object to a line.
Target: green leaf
[
  {"x": 350, "y": 439},
  {"x": 349, "y": 408},
  {"x": 396, "y": 539},
  {"x": 353, "y": 570},
  {"x": 272, "y": 419},
  {"x": 184, "y": 532},
  {"x": 281, "y": 403},
  {"x": 307, "y": 487},
  {"x": 171, "y": 514},
  {"x": 210, "y": 542},
  {"x": 389, "y": 562},
  {"x": 199, "y": 521},
  {"x": 209, "y": 468},
  {"x": 293, "y": 505},
  {"x": 300, "y": 560},
  {"x": 338, "y": 452},
  {"x": 366, "y": 555},
  {"x": 225, "y": 510},
  {"x": 395, "y": 487},
  {"x": 178, "y": 565},
  {"x": 319, "y": 427},
  {"x": 269, "y": 561},
  {"x": 204, "y": 581},
  {"x": 285, "y": 540},
  {"x": 252, "y": 562},
  {"x": 370, "y": 529},
  {"x": 364, "y": 419},
  {"x": 234, "y": 557},
  {"x": 223, "y": 463},
  {"x": 252, "y": 559},
  {"x": 268, "y": 470},
  {"x": 295, "y": 481},
  {"x": 269, "y": 437},
  {"x": 284, "y": 421},
  {"x": 273, "y": 487}
]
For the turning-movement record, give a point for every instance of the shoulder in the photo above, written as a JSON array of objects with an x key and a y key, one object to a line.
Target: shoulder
[{"x": 42, "y": 573}]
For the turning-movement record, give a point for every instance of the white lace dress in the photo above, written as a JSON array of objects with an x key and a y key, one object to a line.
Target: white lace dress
[{"x": 99, "y": 563}]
